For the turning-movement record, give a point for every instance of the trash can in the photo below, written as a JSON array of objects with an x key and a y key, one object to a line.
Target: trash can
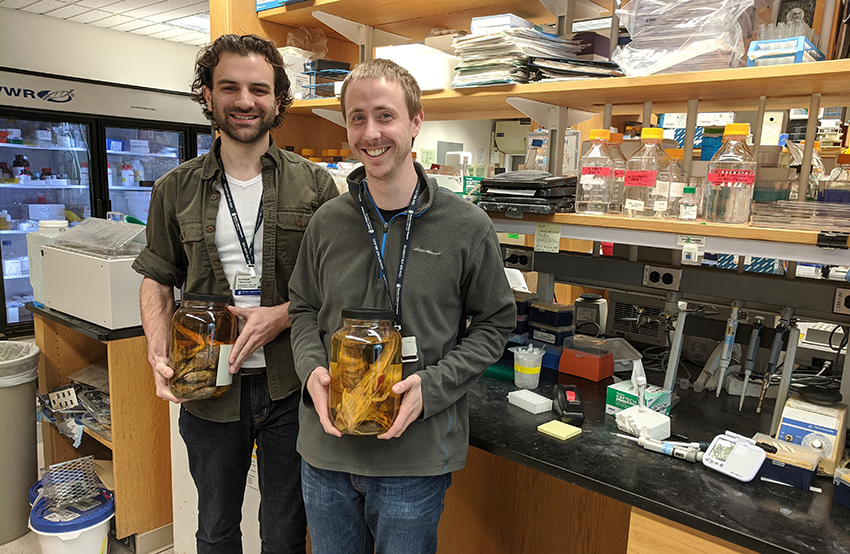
[{"x": 18, "y": 455}]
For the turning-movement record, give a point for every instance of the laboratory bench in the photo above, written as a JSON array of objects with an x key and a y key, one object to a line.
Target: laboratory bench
[{"x": 523, "y": 491}]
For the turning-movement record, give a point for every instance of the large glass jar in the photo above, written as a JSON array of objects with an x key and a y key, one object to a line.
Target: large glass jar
[
  {"x": 365, "y": 363},
  {"x": 202, "y": 336}
]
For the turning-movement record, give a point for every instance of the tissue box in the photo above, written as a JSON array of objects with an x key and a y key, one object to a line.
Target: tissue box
[
  {"x": 621, "y": 396},
  {"x": 432, "y": 69}
]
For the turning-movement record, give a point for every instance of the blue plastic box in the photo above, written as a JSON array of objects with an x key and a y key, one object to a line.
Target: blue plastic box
[
  {"x": 551, "y": 314},
  {"x": 550, "y": 335},
  {"x": 780, "y": 51}
]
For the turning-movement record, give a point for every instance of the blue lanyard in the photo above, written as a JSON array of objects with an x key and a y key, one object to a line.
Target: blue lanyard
[
  {"x": 247, "y": 250},
  {"x": 405, "y": 246}
]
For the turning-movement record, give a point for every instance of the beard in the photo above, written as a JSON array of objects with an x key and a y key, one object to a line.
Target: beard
[{"x": 247, "y": 134}]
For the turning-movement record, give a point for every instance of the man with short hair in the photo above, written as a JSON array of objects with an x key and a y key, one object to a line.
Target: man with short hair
[
  {"x": 230, "y": 223},
  {"x": 396, "y": 242}
]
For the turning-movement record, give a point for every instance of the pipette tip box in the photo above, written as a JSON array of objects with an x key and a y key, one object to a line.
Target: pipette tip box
[
  {"x": 841, "y": 493},
  {"x": 530, "y": 401}
]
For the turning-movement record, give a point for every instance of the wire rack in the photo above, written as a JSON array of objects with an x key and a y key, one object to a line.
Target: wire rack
[{"x": 69, "y": 482}]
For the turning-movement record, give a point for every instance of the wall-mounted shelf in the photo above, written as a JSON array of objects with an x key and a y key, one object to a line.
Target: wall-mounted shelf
[
  {"x": 417, "y": 20},
  {"x": 785, "y": 86},
  {"x": 740, "y": 240}
]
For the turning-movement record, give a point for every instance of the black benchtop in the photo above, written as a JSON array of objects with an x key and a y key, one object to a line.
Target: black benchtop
[
  {"x": 761, "y": 516},
  {"x": 85, "y": 327}
]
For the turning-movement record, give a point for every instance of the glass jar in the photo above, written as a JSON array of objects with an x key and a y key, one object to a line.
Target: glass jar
[
  {"x": 202, "y": 336},
  {"x": 597, "y": 175},
  {"x": 731, "y": 178},
  {"x": 647, "y": 179},
  {"x": 365, "y": 363}
]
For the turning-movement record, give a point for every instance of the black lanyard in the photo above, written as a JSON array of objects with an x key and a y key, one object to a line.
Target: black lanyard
[
  {"x": 247, "y": 250},
  {"x": 405, "y": 246}
]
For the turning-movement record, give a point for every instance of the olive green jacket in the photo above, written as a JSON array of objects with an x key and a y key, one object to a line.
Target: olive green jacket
[{"x": 181, "y": 248}]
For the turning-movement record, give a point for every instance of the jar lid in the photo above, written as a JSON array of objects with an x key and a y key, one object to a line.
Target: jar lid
[
  {"x": 201, "y": 297},
  {"x": 600, "y": 134},
  {"x": 367, "y": 313},
  {"x": 652, "y": 133},
  {"x": 590, "y": 296}
]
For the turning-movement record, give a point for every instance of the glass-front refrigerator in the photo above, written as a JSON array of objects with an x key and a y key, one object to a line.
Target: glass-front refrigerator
[
  {"x": 44, "y": 174},
  {"x": 204, "y": 142},
  {"x": 136, "y": 157}
]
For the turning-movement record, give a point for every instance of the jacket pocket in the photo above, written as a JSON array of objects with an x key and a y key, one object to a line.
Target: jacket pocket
[
  {"x": 192, "y": 237},
  {"x": 290, "y": 231}
]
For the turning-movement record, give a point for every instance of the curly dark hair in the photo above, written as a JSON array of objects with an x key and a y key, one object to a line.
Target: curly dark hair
[{"x": 242, "y": 45}]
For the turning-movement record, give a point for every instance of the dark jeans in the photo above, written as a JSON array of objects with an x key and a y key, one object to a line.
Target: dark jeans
[
  {"x": 353, "y": 514},
  {"x": 219, "y": 460}
]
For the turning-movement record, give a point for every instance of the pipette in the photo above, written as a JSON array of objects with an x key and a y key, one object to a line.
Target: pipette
[
  {"x": 750, "y": 361},
  {"x": 773, "y": 361},
  {"x": 692, "y": 455},
  {"x": 728, "y": 343}
]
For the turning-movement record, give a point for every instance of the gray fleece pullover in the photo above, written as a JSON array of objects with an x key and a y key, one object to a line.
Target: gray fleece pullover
[{"x": 454, "y": 272}]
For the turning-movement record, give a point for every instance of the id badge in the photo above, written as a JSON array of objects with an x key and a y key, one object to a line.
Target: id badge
[
  {"x": 246, "y": 285},
  {"x": 409, "y": 350}
]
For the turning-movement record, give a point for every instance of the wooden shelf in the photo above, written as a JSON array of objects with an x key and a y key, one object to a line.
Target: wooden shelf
[
  {"x": 98, "y": 437},
  {"x": 786, "y": 86},
  {"x": 415, "y": 22},
  {"x": 740, "y": 240}
]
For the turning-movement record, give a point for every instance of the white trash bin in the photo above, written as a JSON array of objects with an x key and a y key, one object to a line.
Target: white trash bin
[
  {"x": 80, "y": 528},
  {"x": 18, "y": 456}
]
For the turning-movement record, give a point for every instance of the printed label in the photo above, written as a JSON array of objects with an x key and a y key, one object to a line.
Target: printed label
[
  {"x": 619, "y": 173},
  {"x": 687, "y": 211},
  {"x": 634, "y": 204},
  {"x": 731, "y": 177},
  {"x": 687, "y": 239},
  {"x": 544, "y": 336},
  {"x": 41, "y": 135},
  {"x": 677, "y": 189},
  {"x": 586, "y": 314},
  {"x": 640, "y": 178},
  {"x": 224, "y": 377},
  {"x": 600, "y": 171},
  {"x": 659, "y": 206}
]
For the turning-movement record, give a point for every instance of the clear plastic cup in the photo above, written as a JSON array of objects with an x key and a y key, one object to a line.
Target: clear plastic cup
[{"x": 527, "y": 361}]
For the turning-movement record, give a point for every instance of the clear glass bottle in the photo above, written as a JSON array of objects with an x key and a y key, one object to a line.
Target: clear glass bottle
[
  {"x": 647, "y": 180},
  {"x": 365, "y": 362},
  {"x": 687, "y": 205},
  {"x": 597, "y": 175},
  {"x": 678, "y": 181},
  {"x": 731, "y": 178},
  {"x": 202, "y": 335},
  {"x": 836, "y": 188},
  {"x": 620, "y": 165}
]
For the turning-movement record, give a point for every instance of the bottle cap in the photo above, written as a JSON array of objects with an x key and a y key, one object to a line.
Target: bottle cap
[
  {"x": 843, "y": 158},
  {"x": 600, "y": 134},
  {"x": 676, "y": 153},
  {"x": 307, "y": 152},
  {"x": 616, "y": 138},
  {"x": 652, "y": 133},
  {"x": 690, "y": 190},
  {"x": 736, "y": 129}
]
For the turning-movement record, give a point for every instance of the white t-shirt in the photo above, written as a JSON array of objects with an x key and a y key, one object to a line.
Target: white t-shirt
[{"x": 246, "y": 197}]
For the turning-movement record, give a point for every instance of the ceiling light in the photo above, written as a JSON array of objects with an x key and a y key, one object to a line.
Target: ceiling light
[{"x": 199, "y": 23}]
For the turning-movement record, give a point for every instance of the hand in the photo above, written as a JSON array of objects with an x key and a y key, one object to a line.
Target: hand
[
  {"x": 262, "y": 324},
  {"x": 161, "y": 374},
  {"x": 411, "y": 406},
  {"x": 317, "y": 386}
]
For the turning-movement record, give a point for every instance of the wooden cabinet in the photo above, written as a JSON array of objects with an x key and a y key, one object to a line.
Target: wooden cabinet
[{"x": 140, "y": 444}]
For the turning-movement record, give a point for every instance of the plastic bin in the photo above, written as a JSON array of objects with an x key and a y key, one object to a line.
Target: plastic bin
[
  {"x": 19, "y": 458},
  {"x": 83, "y": 527},
  {"x": 550, "y": 335},
  {"x": 553, "y": 315}
]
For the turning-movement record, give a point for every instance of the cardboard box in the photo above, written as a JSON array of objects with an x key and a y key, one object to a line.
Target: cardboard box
[{"x": 621, "y": 396}]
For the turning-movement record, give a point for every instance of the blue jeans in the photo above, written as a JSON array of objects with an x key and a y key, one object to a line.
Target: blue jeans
[
  {"x": 219, "y": 460},
  {"x": 353, "y": 514}
]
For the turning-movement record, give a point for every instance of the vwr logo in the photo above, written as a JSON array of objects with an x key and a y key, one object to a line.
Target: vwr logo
[{"x": 55, "y": 96}]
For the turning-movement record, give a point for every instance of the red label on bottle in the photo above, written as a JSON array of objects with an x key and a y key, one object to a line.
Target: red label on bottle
[
  {"x": 640, "y": 178},
  {"x": 731, "y": 177},
  {"x": 600, "y": 171},
  {"x": 619, "y": 173}
]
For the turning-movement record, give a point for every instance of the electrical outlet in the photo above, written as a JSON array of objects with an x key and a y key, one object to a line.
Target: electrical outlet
[
  {"x": 659, "y": 277},
  {"x": 518, "y": 258},
  {"x": 842, "y": 301}
]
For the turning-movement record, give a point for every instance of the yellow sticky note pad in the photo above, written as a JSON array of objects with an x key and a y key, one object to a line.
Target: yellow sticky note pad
[{"x": 559, "y": 430}]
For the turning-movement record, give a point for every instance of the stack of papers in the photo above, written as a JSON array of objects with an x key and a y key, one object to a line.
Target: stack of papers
[
  {"x": 502, "y": 57},
  {"x": 569, "y": 69}
]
